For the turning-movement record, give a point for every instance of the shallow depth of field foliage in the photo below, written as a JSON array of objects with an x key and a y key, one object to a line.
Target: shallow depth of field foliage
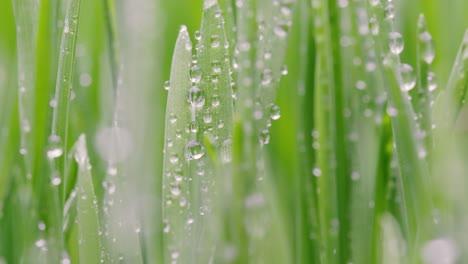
[{"x": 233, "y": 131}]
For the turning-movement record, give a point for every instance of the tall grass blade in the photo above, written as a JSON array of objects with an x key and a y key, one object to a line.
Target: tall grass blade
[
  {"x": 87, "y": 208},
  {"x": 176, "y": 175}
]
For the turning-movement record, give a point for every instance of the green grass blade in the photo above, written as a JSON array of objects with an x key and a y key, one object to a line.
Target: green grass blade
[
  {"x": 427, "y": 82},
  {"x": 87, "y": 211},
  {"x": 59, "y": 133},
  {"x": 26, "y": 18},
  {"x": 215, "y": 123},
  {"x": 176, "y": 185},
  {"x": 450, "y": 100}
]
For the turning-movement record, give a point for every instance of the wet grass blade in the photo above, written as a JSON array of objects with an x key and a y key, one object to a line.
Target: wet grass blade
[
  {"x": 87, "y": 218},
  {"x": 58, "y": 140},
  {"x": 176, "y": 186},
  {"x": 451, "y": 99}
]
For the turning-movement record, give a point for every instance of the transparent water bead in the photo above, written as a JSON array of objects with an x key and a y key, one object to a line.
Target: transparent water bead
[
  {"x": 396, "y": 42},
  {"x": 264, "y": 137},
  {"x": 215, "y": 41},
  {"x": 440, "y": 251},
  {"x": 374, "y": 2},
  {"x": 172, "y": 118},
  {"x": 195, "y": 74},
  {"x": 216, "y": 66},
  {"x": 281, "y": 31},
  {"x": 167, "y": 85},
  {"x": 197, "y": 35},
  {"x": 55, "y": 149},
  {"x": 215, "y": 100},
  {"x": 427, "y": 47},
  {"x": 317, "y": 172},
  {"x": 196, "y": 97},
  {"x": 431, "y": 81},
  {"x": 407, "y": 77},
  {"x": 284, "y": 70},
  {"x": 194, "y": 150},
  {"x": 275, "y": 112}
]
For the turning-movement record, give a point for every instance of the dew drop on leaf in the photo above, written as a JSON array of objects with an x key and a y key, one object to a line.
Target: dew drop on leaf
[{"x": 194, "y": 150}]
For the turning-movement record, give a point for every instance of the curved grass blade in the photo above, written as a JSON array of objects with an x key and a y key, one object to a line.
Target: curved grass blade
[{"x": 176, "y": 185}]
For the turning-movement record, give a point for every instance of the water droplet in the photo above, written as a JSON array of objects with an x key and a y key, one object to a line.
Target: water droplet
[
  {"x": 173, "y": 158},
  {"x": 53, "y": 102},
  {"x": 280, "y": 31},
  {"x": 175, "y": 190},
  {"x": 266, "y": 77},
  {"x": 167, "y": 85},
  {"x": 41, "y": 244},
  {"x": 174, "y": 255},
  {"x": 427, "y": 49},
  {"x": 195, "y": 97},
  {"x": 207, "y": 118},
  {"x": 396, "y": 42},
  {"x": 182, "y": 202},
  {"x": 172, "y": 118},
  {"x": 56, "y": 181},
  {"x": 408, "y": 78},
  {"x": 275, "y": 112},
  {"x": 317, "y": 172},
  {"x": 66, "y": 26},
  {"x": 193, "y": 127},
  {"x": 215, "y": 100},
  {"x": 216, "y": 66},
  {"x": 55, "y": 149},
  {"x": 112, "y": 171},
  {"x": 264, "y": 137},
  {"x": 374, "y": 25},
  {"x": 431, "y": 81},
  {"x": 195, "y": 74},
  {"x": 194, "y": 150},
  {"x": 422, "y": 153},
  {"x": 389, "y": 11},
  {"x": 392, "y": 111},
  {"x": 166, "y": 227},
  {"x": 197, "y": 35},
  {"x": 361, "y": 85},
  {"x": 374, "y": 2},
  {"x": 23, "y": 151},
  {"x": 214, "y": 41},
  {"x": 284, "y": 70},
  {"x": 41, "y": 226}
]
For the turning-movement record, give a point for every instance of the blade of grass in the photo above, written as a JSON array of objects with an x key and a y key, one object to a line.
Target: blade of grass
[
  {"x": 215, "y": 122},
  {"x": 59, "y": 134},
  {"x": 176, "y": 186},
  {"x": 87, "y": 211},
  {"x": 26, "y": 18}
]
